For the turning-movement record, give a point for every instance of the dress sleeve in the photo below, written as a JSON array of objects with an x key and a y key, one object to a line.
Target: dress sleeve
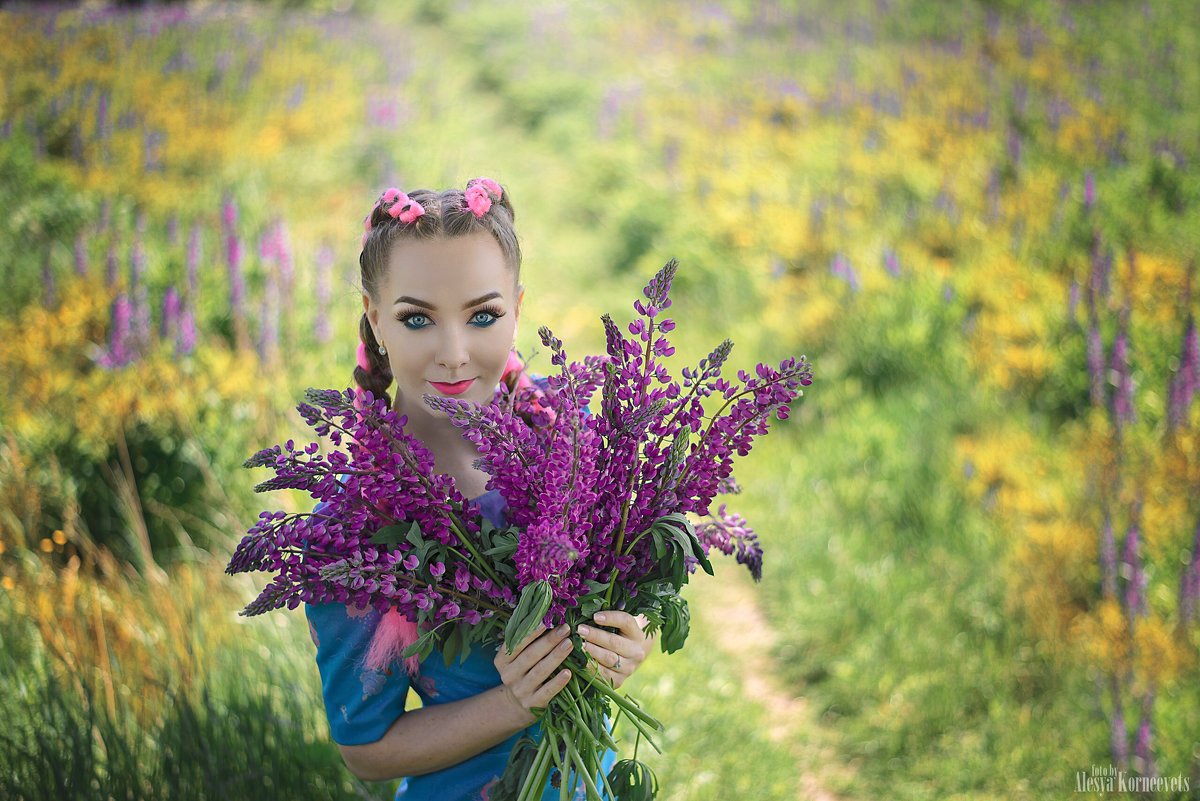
[{"x": 360, "y": 704}]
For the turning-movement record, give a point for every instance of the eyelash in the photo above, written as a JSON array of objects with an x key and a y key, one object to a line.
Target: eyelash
[{"x": 495, "y": 311}]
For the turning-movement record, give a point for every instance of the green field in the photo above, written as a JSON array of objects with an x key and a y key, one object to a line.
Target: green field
[{"x": 978, "y": 220}]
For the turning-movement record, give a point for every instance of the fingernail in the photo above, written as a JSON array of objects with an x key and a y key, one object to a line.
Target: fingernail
[
  {"x": 583, "y": 630},
  {"x": 600, "y": 618},
  {"x": 563, "y": 629}
]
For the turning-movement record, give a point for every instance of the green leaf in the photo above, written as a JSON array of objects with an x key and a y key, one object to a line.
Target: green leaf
[
  {"x": 390, "y": 535},
  {"x": 676, "y": 623},
  {"x": 531, "y": 609}
]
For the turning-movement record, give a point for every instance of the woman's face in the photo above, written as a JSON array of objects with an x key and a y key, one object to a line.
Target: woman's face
[{"x": 447, "y": 312}]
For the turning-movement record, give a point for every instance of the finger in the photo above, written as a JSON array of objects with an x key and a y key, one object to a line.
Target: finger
[
  {"x": 614, "y": 642},
  {"x": 535, "y": 651},
  {"x": 615, "y": 618},
  {"x": 545, "y": 667},
  {"x": 522, "y": 645},
  {"x": 550, "y": 689},
  {"x": 603, "y": 656}
]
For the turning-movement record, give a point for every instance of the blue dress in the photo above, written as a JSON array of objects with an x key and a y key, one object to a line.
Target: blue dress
[{"x": 362, "y": 705}]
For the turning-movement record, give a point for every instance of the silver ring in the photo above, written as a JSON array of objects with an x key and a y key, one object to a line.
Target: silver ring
[{"x": 617, "y": 664}]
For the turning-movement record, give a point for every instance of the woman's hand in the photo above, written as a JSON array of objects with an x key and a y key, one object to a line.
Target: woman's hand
[
  {"x": 524, "y": 673},
  {"x": 618, "y": 654}
]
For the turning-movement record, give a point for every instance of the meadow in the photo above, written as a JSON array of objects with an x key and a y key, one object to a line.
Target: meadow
[{"x": 978, "y": 220}]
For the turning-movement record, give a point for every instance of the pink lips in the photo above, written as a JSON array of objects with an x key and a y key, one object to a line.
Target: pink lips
[{"x": 452, "y": 389}]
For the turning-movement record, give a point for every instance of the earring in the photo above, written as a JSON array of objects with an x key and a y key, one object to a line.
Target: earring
[{"x": 382, "y": 350}]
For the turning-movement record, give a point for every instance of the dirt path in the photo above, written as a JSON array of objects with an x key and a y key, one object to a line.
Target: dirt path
[{"x": 749, "y": 644}]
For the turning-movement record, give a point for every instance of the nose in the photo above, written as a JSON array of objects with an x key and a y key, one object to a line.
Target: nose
[{"x": 452, "y": 350}]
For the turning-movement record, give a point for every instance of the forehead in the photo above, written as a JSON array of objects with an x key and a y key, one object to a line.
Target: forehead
[{"x": 446, "y": 270}]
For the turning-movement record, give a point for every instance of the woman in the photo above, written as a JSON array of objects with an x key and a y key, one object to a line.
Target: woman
[{"x": 442, "y": 296}]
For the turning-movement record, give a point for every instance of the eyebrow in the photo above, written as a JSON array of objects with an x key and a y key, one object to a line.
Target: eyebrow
[{"x": 431, "y": 307}]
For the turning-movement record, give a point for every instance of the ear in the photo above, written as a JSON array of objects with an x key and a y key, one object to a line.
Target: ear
[{"x": 372, "y": 312}]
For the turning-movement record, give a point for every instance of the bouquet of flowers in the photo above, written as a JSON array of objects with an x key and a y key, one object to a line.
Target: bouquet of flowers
[{"x": 597, "y": 519}]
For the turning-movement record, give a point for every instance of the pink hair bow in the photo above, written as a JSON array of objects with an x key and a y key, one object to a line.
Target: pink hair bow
[{"x": 479, "y": 194}]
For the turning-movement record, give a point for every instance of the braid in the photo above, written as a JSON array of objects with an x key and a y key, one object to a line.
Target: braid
[{"x": 379, "y": 378}]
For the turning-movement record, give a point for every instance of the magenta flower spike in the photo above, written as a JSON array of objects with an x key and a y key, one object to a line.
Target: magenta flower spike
[
  {"x": 1120, "y": 735},
  {"x": 1122, "y": 399},
  {"x": 1095, "y": 364},
  {"x": 1142, "y": 749},
  {"x": 81, "y": 254},
  {"x": 1131, "y": 566},
  {"x": 1186, "y": 382},
  {"x": 169, "y": 328},
  {"x": 1189, "y": 583},
  {"x": 186, "y": 343},
  {"x": 1089, "y": 191},
  {"x": 1108, "y": 558}
]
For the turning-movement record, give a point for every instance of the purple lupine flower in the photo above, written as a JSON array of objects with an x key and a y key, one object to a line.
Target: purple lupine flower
[
  {"x": 169, "y": 329},
  {"x": 173, "y": 230},
  {"x": 118, "y": 353},
  {"x": 1014, "y": 145},
  {"x": 1131, "y": 566},
  {"x": 1108, "y": 557},
  {"x": 111, "y": 266},
  {"x": 1142, "y": 749},
  {"x": 1186, "y": 382},
  {"x": 283, "y": 256},
  {"x": 729, "y": 531},
  {"x": 233, "y": 261},
  {"x": 187, "y": 332},
  {"x": 324, "y": 271},
  {"x": 81, "y": 255},
  {"x": 102, "y": 129},
  {"x": 1089, "y": 191},
  {"x": 1122, "y": 399},
  {"x": 138, "y": 288},
  {"x": 841, "y": 268},
  {"x": 1189, "y": 582},
  {"x": 1095, "y": 364},
  {"x": 891, "y": 263},
  {"x": 1073, "y": 300},
  {"x": 1120, "y": 735}
]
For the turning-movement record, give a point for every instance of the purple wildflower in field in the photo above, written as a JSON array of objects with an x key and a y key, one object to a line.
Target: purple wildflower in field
[
  {"x": 268, "y": 319},
  {"x": 111, "y": 266},
  {"x": 891, "y": 263},
  {"x": 1189, "y": 582},
  {"x": 1108, "y": 558},
  {"x": 841, "y": 268},
  {"x": 1119, "y": 733},
  {"x": 1132, "y": 569},
  {"x": 1142, "y": 749},
  {"x": 728, "y": 532},
  {"x": 1186, "y": 382},
  {"x": 1089, "y": 191},
  {"x": 81, "y": 253},
  {"x": 1122, "y": 398},
  {"x": 233, "y": 260},
  {"x": 187, "y": 332},
  {"x": 137, "y": 286},
  {"x": 118, "y": 353},
  {"x": 1073, "y": 301},
  {"x": 1095, "y": 364},
  {"x": 324, "y": 263},
  {"x": 169, "y": 326}
]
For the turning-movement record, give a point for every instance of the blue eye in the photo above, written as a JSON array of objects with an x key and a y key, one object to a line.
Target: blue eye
[
  {"x": 485, "y": 322},
  {"x": 407, "y": 319}
]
